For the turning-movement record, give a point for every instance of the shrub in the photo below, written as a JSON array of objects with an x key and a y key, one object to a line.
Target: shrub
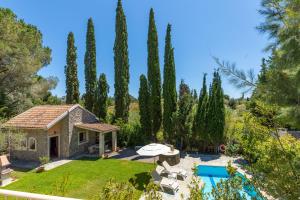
[
  {"x": 130, "y": 134},
  {"x": 152, "y": 193},
  {"x": 232, "y": 149},
  {"x": 160, "y": 136},
  {"x": 196, "y": 190},
  {"x": 44, "y": 160},
  {"x": 117, "y": 191}
]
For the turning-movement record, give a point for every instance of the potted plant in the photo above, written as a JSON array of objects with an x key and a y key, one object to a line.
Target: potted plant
[
  {"x": 43, "y": 161},
  {"x": 105, "y": 156}
]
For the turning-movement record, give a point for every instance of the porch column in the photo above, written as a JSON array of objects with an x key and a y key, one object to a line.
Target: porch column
[
  {"x": 114, "y": 141},
  {"x": 101, "y": 144}
]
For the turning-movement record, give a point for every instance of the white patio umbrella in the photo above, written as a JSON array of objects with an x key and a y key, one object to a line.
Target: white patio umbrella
[{"x": 153, "y": 149}]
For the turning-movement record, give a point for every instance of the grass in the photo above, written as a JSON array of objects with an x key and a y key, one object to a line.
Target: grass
[{"x": 83, "y": 178}]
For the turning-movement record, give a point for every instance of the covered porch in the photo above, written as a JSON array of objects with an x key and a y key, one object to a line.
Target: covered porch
[{"x": 100, "y": 131}]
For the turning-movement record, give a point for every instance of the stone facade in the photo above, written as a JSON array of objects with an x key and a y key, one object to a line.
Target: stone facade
[
  {"x": 76, "y": 116},
  {"x": 68, "y": 137},
  {"x": 41, "y": 146}
]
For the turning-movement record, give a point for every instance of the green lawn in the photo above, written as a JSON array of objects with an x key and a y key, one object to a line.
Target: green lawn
[{"x": 83, "y": 178}]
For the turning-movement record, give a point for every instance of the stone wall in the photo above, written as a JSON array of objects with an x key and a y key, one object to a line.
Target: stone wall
[
  {"x": 64, "y": 138},
  {"x": 76, "y": 116},
  {"x": 41, "y": 146}
]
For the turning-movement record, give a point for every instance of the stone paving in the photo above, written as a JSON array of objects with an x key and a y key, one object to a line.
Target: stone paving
[
  {"x": 187, "y": 162},
  {"x": 130, "y": 154},
  {"x": 55, "y": 164}
]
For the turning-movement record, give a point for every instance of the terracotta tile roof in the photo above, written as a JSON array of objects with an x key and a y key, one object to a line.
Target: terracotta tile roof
[
  {"x": 38, "y": 117},
  {"x": 98, "y": 127}
]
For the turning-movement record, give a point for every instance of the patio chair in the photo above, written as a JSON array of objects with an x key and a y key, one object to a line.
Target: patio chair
[
  {"x": 163, "y": 172},
  {"x": 165, "y": 183},
  {"x": 179, "y": 171}
]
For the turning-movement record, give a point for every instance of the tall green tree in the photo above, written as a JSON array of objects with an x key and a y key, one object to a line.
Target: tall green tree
[
  {"x": 262, "y": 77},
  {"x": 154, "y": 78},
  {"x": 184, "y": 118},
  {"x": 216, "y": 111},
  {"x": 195, "y": 95},
  {"x": 72, "y": 83},
  {"x": 90, "y": 66},
  {"x": 101, "y": 104},
  {"x": 121, "y": 60},
  {"x": 200, "y": 119},
  {"x": 169, "y": 89},
  {"x": 19, "y": 83},
  {"x": 144, "y": 106}
]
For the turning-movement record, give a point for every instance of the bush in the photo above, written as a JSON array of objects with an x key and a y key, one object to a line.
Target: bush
[
  {"x": 233, "y": 149},
  {"x": 44, "y": 160},
  {"x": 152, "y": 192},
  {"x": 196, "y": 190},
  {"x": 130, "y": 134},
  {"x": 117, "y": 191},
  {"x": 160, "y": 136}
]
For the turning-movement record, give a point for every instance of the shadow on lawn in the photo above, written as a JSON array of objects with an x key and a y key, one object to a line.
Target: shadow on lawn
[{"x": 140, "y": 180}]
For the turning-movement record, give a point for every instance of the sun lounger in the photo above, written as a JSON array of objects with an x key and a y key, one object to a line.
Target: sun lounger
[
  {"x": 176, "y": 170},
  {"x": 165, "y": 183},
  {"x": 163, "y": 172}
]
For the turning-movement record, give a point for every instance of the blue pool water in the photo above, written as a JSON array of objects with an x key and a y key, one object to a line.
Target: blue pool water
[{"x": 211, "y": 175}]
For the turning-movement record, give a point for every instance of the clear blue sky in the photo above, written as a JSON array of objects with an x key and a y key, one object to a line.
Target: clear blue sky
[{"x": 200, "y": 29}]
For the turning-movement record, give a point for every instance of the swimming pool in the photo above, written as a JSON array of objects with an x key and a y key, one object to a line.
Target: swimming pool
[{"x": 211, "y": 175}]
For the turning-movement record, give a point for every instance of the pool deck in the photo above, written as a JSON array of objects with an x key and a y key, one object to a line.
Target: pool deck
[{"x": 187, "y": 161}]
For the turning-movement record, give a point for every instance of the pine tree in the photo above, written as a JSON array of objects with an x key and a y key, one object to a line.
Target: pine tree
[
  {"x": 262, "y": 77},
  {"x": 90, "y": 67},
  {"x": 72, "y": 83},
  {"x": 200, "y": 121},
  {"x": 121, "y": 61},
  {"x": 100, "y": 107},
  {"x": 154, "y": 78},
  {"x": 144, "y": 106},
  {"x": 169, "y": 89}
]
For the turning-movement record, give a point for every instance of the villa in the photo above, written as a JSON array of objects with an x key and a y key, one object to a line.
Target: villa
[{"x": 60, "y": 131}]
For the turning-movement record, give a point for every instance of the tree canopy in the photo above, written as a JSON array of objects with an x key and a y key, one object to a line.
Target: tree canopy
[
  {"x": 121, "y": 61},
  {"x": 101, "y": 103},
  {"x": 72, "y": 83},
  {"x": 154, "y": 78},
  {"x": 90, "y": 66},
  {"x": 169, "y": 89},
  {"x": 22, "y": 55}
]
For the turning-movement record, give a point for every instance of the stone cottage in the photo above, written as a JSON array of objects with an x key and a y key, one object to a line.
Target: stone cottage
[{"x": 60, "y": 131}]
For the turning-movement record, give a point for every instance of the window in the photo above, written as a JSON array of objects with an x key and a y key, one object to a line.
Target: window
[
  {"x": 82, "y": 138},
  {"x": 32, "y": 144},
  {"x": 22, "y": 144}
]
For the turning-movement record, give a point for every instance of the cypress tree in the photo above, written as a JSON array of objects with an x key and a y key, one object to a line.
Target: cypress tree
[
  {"x": 90, "y": 66},
  {"x": 144, "y": 106},
  {"x": 195, "y": 95},
  {"x": 121, "y": 62},
  {"x": 200, "y": 121},
  {"x": 154, "y": 76},
  {"x": 184, "y": 120},
  {"x": 169, "y": 88},
  {"x": 72, "y": 83},
  {"x": 220, "y": 110},
  {"x": 100, "y": 107},
  {"x": 216, "y": 111}
]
